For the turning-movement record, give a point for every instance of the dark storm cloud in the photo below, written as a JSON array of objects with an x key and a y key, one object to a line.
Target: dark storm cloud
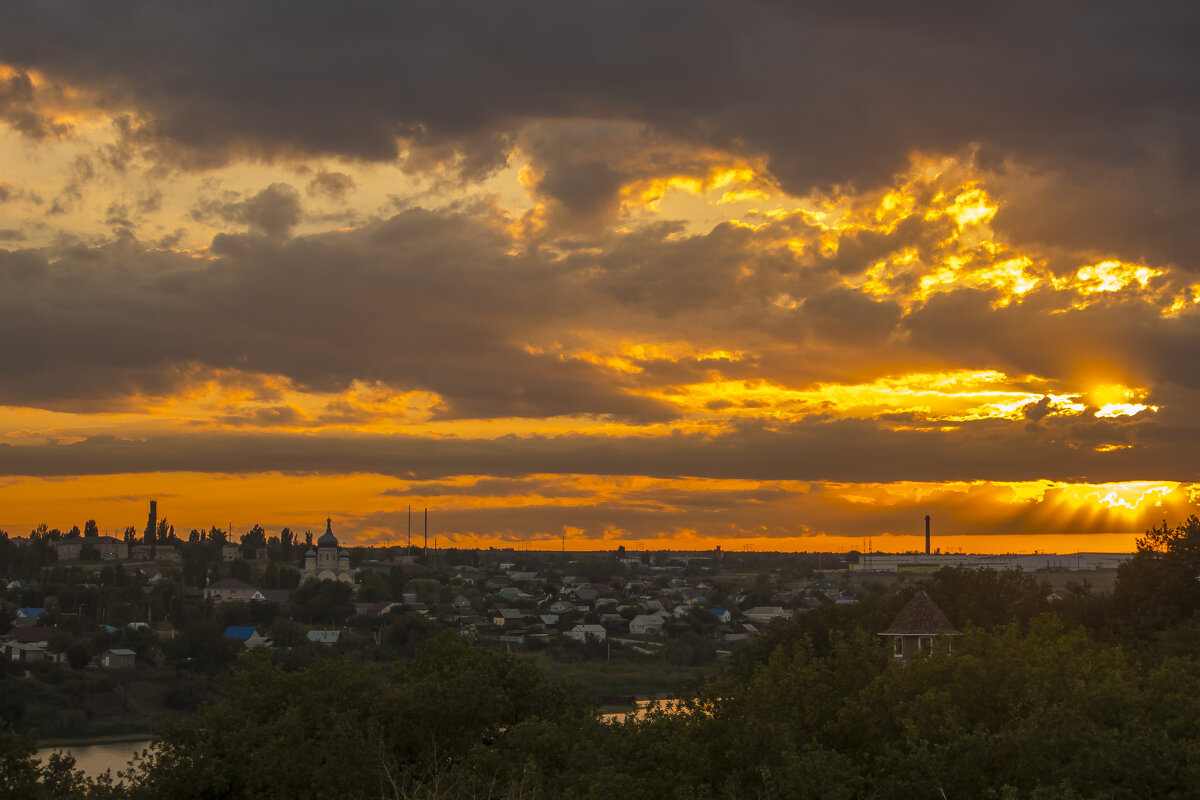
[
  {"x": 585, "y": 190},
  {"x": 439, "y": 301},
  {"x": 846, "y": 316},
  {"x": 272, "y": 212},
  {"x": 17, "y": 109},
  {"x": 845, "y": 450},
  {"x": 334, "y": 185},
  {"x": 1114, "y": 338},
  {"x": 833, "y": 94},
  {"x": 424, "y": 300},
  {"x": 1144, "y": 212}
]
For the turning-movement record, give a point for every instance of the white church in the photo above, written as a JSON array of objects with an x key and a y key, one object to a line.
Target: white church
[{"x": 328, "y": 562}]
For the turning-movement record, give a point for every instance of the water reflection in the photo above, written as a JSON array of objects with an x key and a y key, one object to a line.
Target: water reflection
[{"x": 95, "y": 759}]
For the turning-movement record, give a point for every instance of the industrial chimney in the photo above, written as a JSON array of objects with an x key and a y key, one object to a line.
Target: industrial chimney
[
  {"x": 926, "y": 534},
  {"x": 151, "y": 523}
]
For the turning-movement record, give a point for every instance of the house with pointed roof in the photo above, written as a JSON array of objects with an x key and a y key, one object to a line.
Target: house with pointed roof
[
  {"x": 227, "y": 589},
  {"x": 581, "y": 633},
  {"x": 917, "y": 627},
  {"x": 28, "y": 617},
  {"x": 647, "y": 625},
  {"x": 32, "y": 634},
  {"x": 248, "y": 635}
]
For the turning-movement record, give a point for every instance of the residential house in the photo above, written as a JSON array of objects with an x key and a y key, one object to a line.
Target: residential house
[
  {"x": 497, "y": 582},
  {"x": 23, "y": 653},
  {"x": 763, "y": 614},
  {"x": 647, "y": 625},
  {"x": 156, "y": 552},
  {"x": 507, "y": 617},
  {"x": 109, "y": 547},
  {"x": 916, "y": 628},
  {"x": 118, "y": 658},
  {"x": 275, "y": 597},
  {"x": 247, "y": 635},
  {"x": 722, "y": 614},
  {"x": 228, "y": 589},
  {"x": 583, "y": 595},
  {"x": 31, "y": 634},
  {"x": 613, "y": 622},
  {"x": 324, "y": 637},
  {"x": 28, "y": 617},
  {"x": 375, "y": 609},
  {"x": 581, "y": 633}
]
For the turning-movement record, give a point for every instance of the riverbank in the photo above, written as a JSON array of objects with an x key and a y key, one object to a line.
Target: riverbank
[{"x": 60, "y": 743}]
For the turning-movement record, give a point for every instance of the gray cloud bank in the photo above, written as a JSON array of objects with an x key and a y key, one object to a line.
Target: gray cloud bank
[
  {"x": 436, "y": 301},
  {"x": 848, "y": 451},
  {"x": 1101, "y": 96}
]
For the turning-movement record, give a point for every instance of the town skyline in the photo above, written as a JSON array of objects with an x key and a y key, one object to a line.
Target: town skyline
[{"x": 419, "y": 536}]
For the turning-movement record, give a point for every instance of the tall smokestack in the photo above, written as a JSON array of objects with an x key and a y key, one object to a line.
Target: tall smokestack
[
  {"x": 152, "y": 523},
  {"x": 926, "y": 534}
]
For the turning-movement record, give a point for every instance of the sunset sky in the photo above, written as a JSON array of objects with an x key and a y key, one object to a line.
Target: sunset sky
[{"x": 660, "y": 274}]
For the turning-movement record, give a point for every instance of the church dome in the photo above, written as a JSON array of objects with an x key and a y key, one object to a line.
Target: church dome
[{"x": 327, "y": 538}]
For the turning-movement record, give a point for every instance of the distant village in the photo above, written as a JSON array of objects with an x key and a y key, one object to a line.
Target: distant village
[{"x": 89, "y": 600}]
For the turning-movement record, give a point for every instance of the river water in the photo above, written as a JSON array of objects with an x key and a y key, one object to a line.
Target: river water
[{"x": 94, "y": 759}]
